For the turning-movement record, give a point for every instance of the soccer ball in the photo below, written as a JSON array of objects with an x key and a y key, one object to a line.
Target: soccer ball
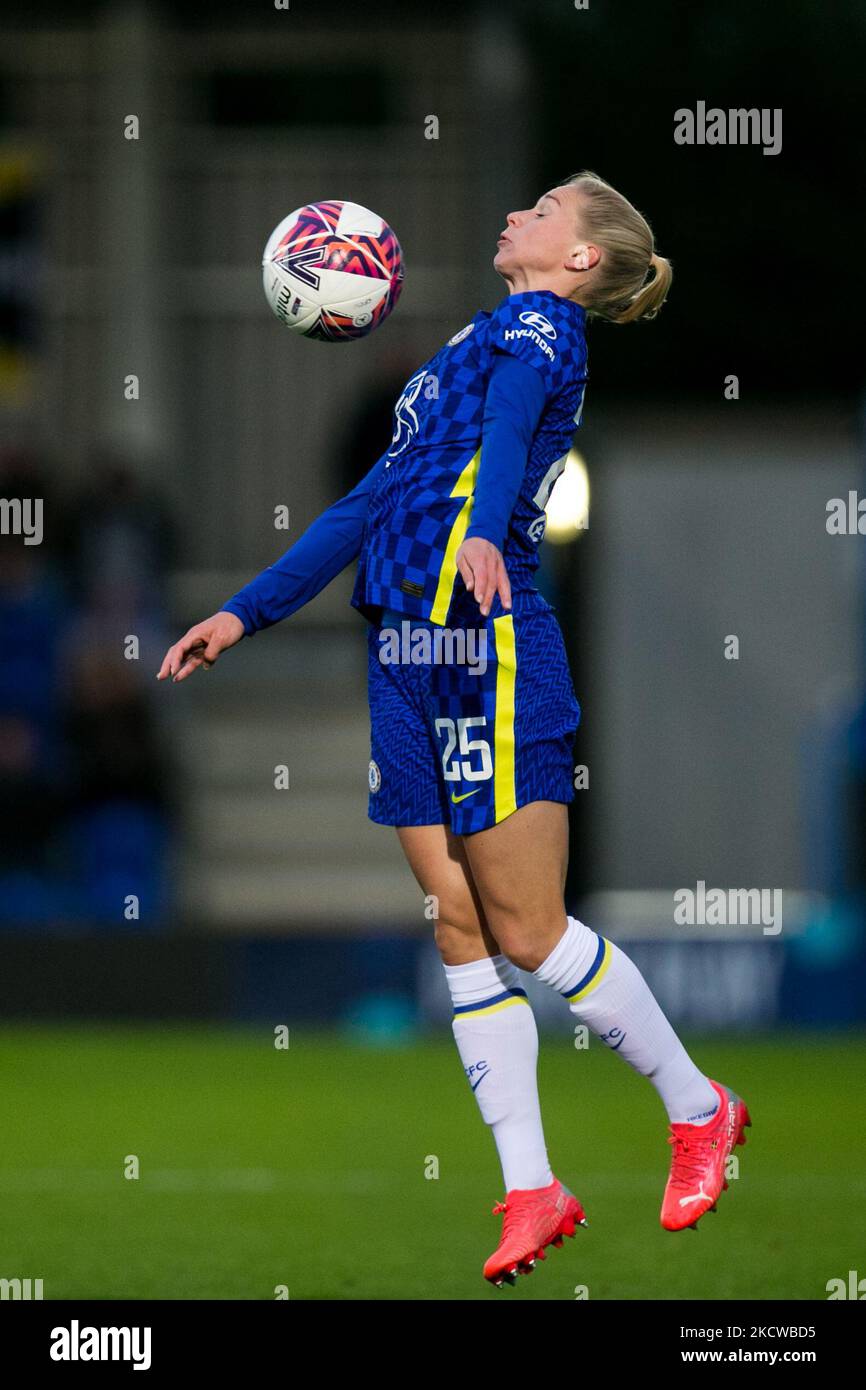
[{"x": 332, "y": 271}]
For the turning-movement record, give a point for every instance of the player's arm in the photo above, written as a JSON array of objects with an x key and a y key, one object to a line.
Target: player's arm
[
  {"x": 512, "y": 409},
  {"x": 326, "y": 547}
]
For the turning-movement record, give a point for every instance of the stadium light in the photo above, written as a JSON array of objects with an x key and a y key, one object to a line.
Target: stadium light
[{"x": 567, "y": 507}]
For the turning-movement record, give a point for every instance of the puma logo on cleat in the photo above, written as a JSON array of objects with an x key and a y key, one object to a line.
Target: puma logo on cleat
[{"x": 695, "y": 1197}]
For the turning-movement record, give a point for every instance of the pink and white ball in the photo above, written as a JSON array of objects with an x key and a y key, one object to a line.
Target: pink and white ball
[{"x": 333, "y": 271}]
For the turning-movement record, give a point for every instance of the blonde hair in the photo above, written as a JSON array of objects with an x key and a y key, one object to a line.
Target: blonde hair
[{"x": 621, "y": 293}]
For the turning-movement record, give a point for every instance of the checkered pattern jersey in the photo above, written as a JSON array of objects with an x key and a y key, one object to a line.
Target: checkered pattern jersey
[{"x": 421, "y": 505}]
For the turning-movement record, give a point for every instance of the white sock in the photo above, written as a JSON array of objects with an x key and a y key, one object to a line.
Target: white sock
[
  {"x": 494, "y": 1028},
  {"x": 607, "y": 992}
]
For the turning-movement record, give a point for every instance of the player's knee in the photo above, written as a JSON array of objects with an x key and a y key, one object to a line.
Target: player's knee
[
  {"x": 454, "y": 931},
  {"x": 523, "y": 935}
]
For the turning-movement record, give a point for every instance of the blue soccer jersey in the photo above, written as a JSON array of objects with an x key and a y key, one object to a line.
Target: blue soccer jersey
[
  {"x": 481, "y": 433},
  {"x": 420, "y": 507}
]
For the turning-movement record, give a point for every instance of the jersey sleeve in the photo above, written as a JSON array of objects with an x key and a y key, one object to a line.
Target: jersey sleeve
[
  {"x": 326, "y": 547},
  {"x": 512, "y": 408},
  {"x": 535, "y": 335}
]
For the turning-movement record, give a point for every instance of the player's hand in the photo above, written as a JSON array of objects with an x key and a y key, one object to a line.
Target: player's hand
[
  {"x": 482, "y": 569},
  {"x": 201, "y": 646}
]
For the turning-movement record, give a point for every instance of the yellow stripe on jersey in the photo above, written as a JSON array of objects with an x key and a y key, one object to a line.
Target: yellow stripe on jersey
[
  {"x": 464, "y": 487},
  {"x": 504, "y": 789}
]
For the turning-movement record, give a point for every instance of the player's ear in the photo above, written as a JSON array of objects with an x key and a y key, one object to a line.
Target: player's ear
[{"x": 583, "y": 257}]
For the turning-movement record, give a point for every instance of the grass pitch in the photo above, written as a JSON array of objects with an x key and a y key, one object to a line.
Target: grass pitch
[{"x": 307, "y": 1168}]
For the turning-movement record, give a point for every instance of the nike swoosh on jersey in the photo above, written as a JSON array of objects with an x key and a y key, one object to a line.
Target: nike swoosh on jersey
[{"x": 456, "y": 799}]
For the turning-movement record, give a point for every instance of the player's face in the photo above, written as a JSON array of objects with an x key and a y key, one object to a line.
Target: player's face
[{"x": 539, "y": 240}]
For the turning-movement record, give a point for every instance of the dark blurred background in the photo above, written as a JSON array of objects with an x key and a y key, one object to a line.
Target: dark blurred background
[{"x": 147, "y": 863}]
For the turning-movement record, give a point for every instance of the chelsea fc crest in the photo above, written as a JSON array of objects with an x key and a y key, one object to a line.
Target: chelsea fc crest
[
  {"x": 374, "y": 776},
  {"x": 464, "y": 333}
]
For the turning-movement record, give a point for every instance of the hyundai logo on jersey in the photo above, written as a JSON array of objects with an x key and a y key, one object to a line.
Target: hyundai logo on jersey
[{"x": 540, "y": 322}]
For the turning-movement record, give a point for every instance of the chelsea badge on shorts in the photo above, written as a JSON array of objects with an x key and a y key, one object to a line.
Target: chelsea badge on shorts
[{"x": 374, "y": 776}]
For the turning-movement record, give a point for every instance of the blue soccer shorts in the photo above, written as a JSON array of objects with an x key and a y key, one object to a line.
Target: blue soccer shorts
[{"x": 466, "y": 738}]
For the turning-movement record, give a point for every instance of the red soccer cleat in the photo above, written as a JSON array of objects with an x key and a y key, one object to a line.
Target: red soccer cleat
[
  {"x": 534, "y": 1218},
  {"x": 697, "y": 1174}
]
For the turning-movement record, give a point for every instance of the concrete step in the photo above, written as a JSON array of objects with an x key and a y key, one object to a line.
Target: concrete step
[
  {"x": 300, "y": 896},
  {"x": 320, "y": 749},
  {"x": 300, "y": 825},
  {"x": 266, "y": 860},
  {"x": 312, "y": 668}
]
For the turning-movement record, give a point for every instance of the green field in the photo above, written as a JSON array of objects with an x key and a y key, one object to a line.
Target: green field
[{"x": 306, "y": 1168}]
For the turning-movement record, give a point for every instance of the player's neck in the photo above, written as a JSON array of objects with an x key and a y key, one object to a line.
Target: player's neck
[{"x": 523, "y": 282}]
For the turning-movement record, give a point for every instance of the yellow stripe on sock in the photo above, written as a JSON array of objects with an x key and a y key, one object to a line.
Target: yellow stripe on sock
[
  {"x": 597, "y": 977},
  {"x": 495, "y": 1008}
]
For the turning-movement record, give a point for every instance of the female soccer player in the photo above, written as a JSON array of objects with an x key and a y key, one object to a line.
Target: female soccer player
[{"x": 472, "y": 756}]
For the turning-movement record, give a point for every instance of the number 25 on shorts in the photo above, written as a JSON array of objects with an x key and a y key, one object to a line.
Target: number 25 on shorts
[{"x": 457, "y": 738}]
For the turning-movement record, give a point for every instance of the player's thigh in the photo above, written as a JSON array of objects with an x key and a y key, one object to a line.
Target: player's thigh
[
  {"x": 438, "y": 860},
  {"x": 518, "y": 867}
]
